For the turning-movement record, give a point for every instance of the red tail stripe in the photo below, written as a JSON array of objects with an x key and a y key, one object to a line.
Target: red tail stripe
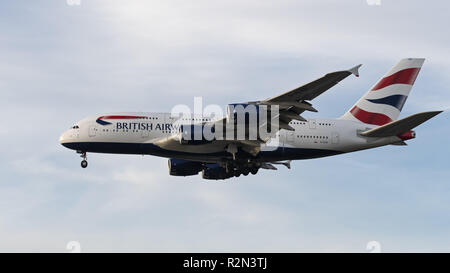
[
  {"x": 405, "y": 76},
  {"x": 369, "y": 117},
  {"x": 121, "y": 117}
]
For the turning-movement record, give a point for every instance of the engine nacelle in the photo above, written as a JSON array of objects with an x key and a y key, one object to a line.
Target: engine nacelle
[
  {"x": 215, "y": 171},
  {"x": 179, "y": 167},
  {"x": 196, "y": 134}
]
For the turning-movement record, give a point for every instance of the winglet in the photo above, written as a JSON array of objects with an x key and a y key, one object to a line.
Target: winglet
[{"x": 354, "y": 70}]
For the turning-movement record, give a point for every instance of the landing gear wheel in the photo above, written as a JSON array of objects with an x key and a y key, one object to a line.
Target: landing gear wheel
[
  {"x": 254, "y": 171},
  {"x": 84, "y": 164}
]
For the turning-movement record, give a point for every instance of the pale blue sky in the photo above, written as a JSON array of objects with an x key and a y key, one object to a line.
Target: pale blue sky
[{"x": 60, "y": 63}]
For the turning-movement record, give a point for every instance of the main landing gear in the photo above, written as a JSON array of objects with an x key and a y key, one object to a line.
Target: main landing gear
[
  {"x": 84, "y": 162},
  {"x": 245, "y": 169}
]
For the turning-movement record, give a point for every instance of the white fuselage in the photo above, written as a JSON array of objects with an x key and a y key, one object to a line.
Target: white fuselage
[{"x": 310, "y": 139}]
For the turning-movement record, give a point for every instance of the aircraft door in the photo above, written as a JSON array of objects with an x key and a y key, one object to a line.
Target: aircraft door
[
  {"x": 334, "y": 137},
  {"x": 145, "y": 133},
  {"x": 297, "y": 138},
  {"x": 145, "y": 129},
  {"x": 170, "y": 120},
  {"x": 290, "y": 137},
  {"x": 281, "y": 138},
  {"x": 312, "y": 124},
  {"x": 92, "y": 131}
]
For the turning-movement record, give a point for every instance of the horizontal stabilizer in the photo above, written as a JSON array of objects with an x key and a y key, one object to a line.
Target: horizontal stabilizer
[{"x": 400, "y": 126}]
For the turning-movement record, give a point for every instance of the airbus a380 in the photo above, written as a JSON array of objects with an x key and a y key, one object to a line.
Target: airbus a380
[{"x": 372, "y": 122}]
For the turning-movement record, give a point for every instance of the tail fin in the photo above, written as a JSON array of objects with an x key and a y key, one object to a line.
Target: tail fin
[{"x": 384, "y": 101}]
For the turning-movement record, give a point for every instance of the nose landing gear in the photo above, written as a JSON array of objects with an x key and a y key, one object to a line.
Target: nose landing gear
[{"x": 84, "y": 162}]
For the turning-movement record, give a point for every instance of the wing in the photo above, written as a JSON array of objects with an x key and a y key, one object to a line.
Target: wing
[
  {"x": 291, "y": 105},
  {"x": 295, "y": 102},
  {"x": 215, "y": 146}
]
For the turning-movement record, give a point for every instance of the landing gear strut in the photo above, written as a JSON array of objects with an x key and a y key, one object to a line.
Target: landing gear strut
[{"x": 84, "y": 162}]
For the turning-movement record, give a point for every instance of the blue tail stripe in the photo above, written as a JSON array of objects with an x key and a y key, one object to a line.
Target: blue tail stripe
[{"x": 396, "y": 101}]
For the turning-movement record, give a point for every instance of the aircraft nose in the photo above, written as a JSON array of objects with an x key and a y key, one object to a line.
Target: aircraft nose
[
  {"x": 68, "y": 139},
  {"x": 63, "y": 138}
]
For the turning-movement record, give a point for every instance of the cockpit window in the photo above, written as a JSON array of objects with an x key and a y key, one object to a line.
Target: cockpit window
[{"x": 75, "y": 127}]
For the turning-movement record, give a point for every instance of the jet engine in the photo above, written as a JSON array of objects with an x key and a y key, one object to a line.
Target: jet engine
[
  {"x": 179, "y": 167},
  {"x": 215, "y": 171}
]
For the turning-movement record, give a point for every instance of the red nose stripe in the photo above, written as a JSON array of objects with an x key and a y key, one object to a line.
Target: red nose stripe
[
  {"x": 121, "y": 117},
  {"x": 406, "y": 76},
  {"x": 369, "y": 117}
]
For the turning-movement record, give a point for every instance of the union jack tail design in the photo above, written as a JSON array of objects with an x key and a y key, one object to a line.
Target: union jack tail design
[{"x": 384, "y": 101}]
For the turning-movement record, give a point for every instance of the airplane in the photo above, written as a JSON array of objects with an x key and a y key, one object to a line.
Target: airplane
[{"x": 371, "y": 122}]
